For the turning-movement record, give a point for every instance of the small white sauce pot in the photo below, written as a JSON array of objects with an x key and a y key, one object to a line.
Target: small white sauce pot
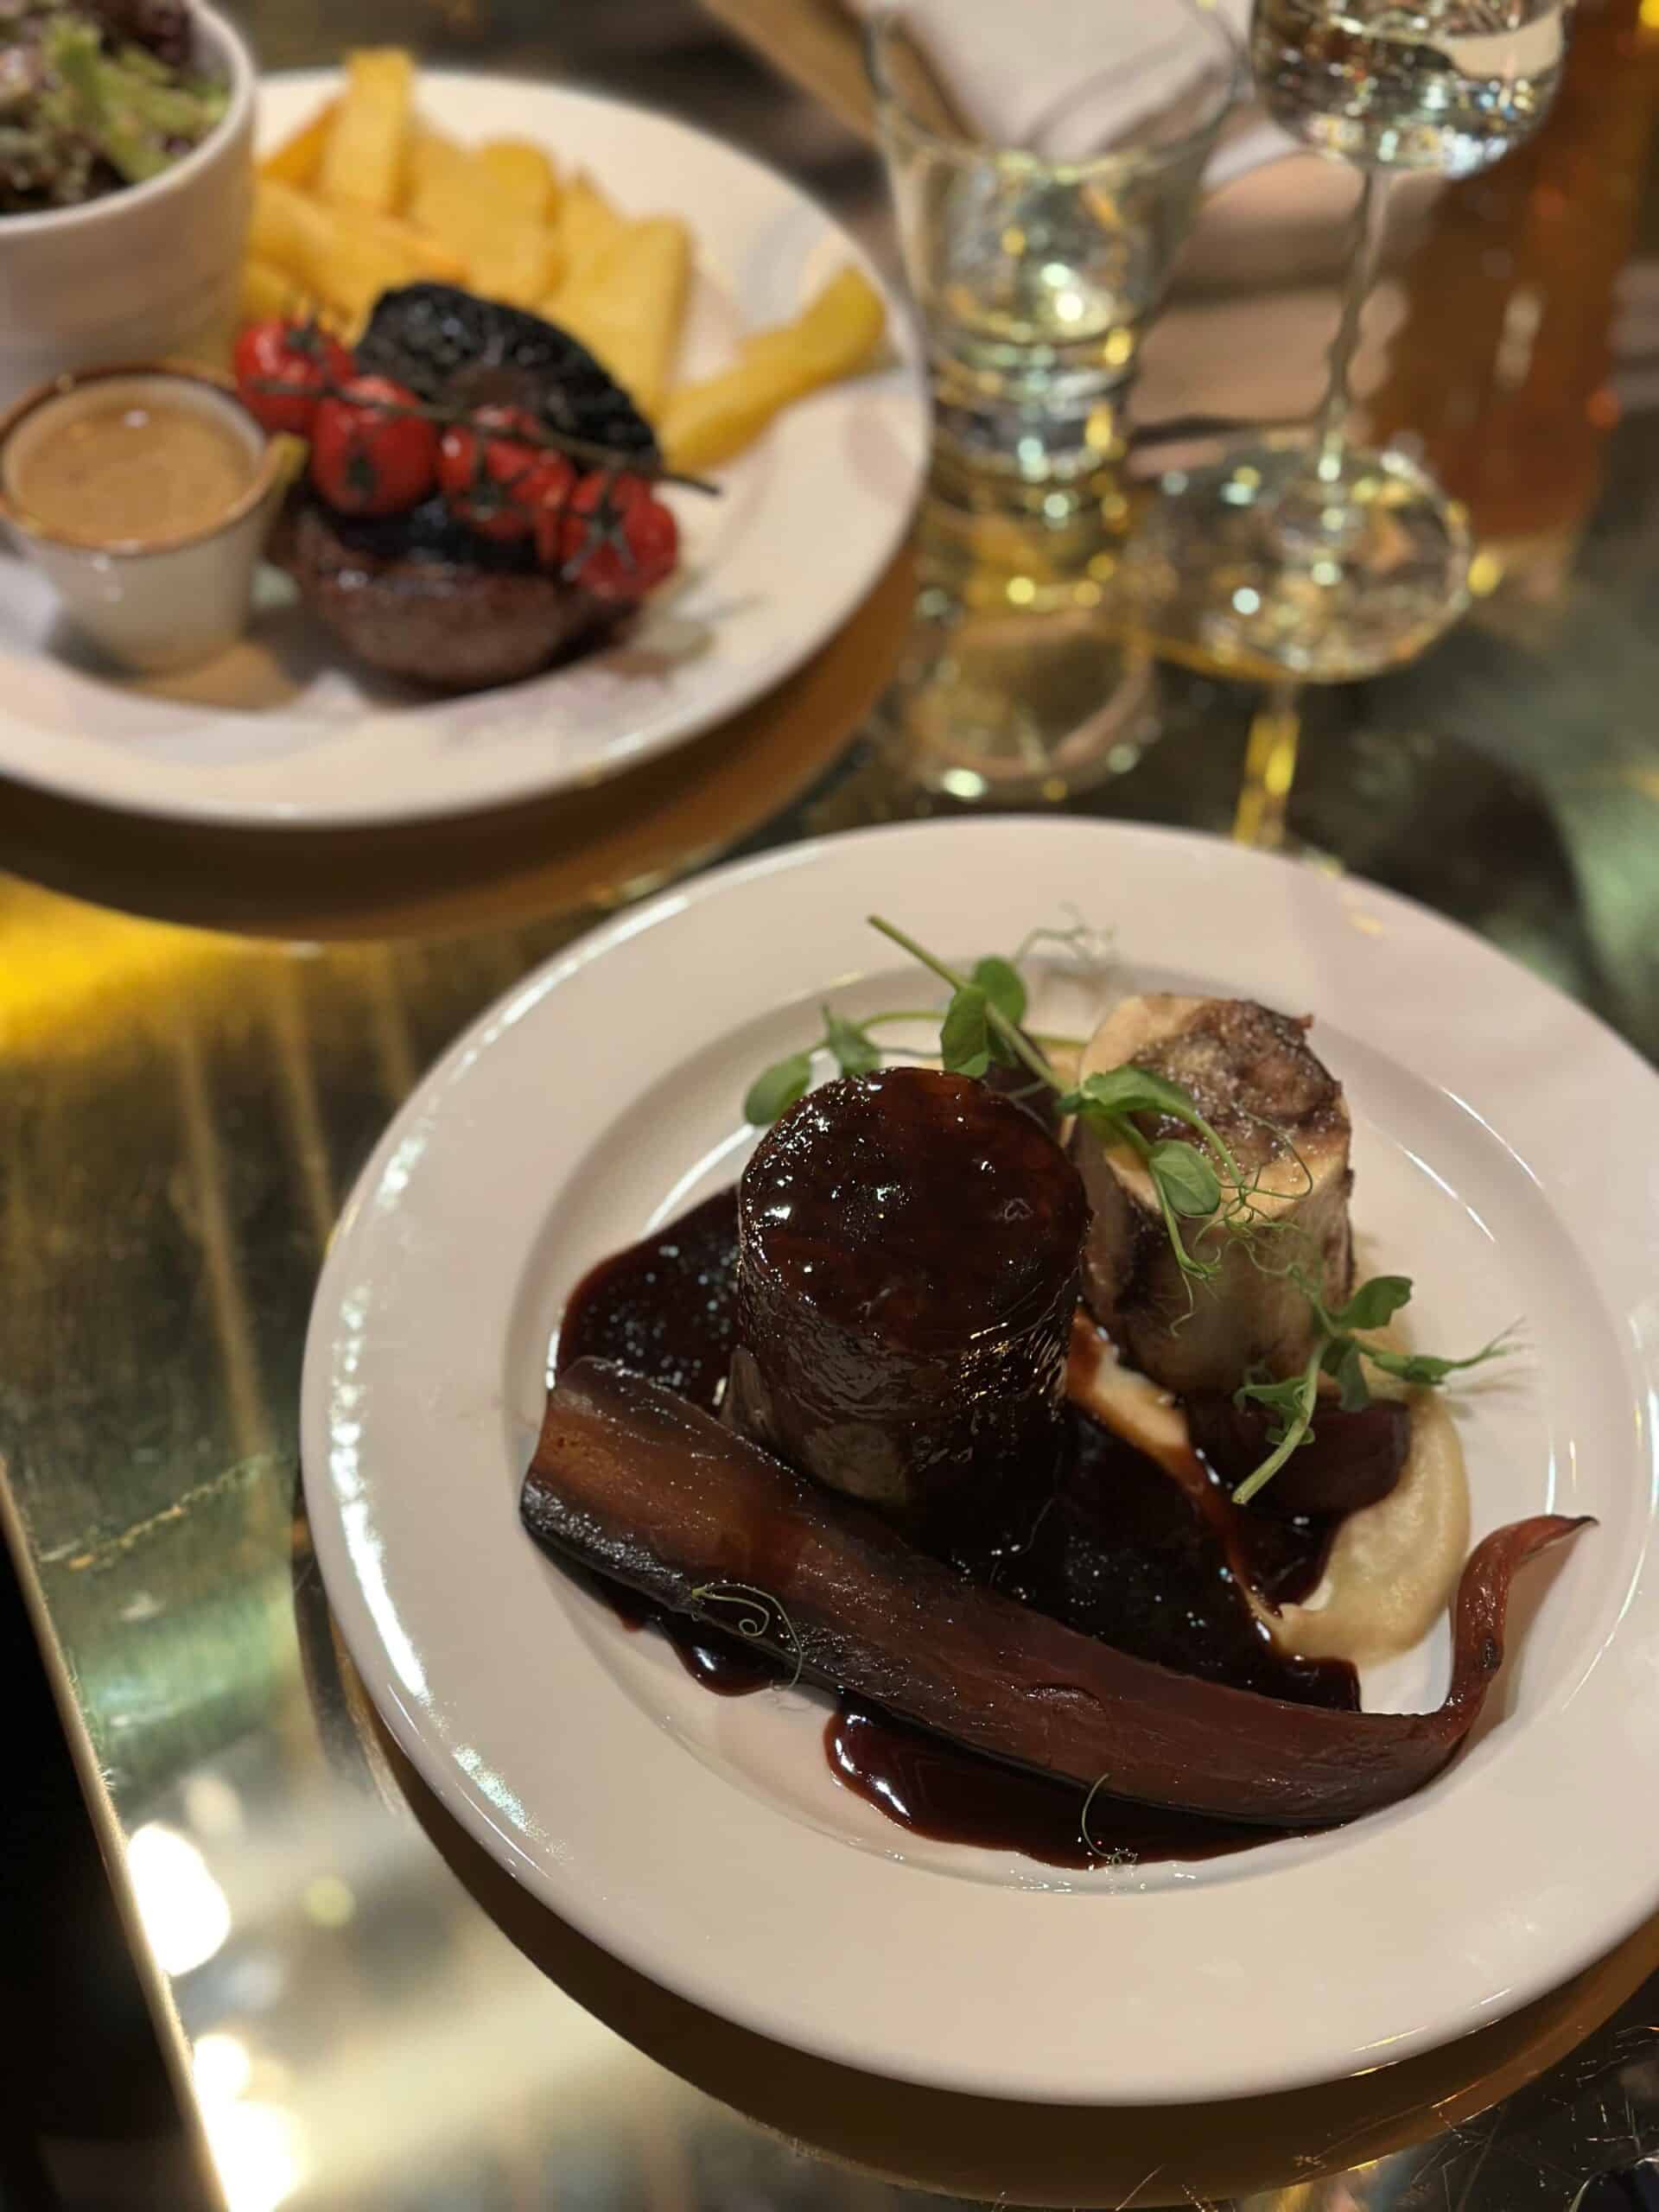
[{"x": 150, "y": 607}]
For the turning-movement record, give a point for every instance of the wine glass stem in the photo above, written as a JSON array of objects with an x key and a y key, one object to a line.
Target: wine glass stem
[
  {"x": 1330, "y": 425},
  {"x": 1269, "y": 768}
]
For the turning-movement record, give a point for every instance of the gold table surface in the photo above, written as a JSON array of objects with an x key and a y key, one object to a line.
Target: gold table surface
[{"x": 361, "y": 2011}]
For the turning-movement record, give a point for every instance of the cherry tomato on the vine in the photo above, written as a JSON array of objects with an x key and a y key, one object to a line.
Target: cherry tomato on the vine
[
  {"x": 548, "y": 489},
  {"x": 299, "y": 357},
  {"x": 494, "y": 472},
  {"x": 370, "y": 453},
  {"x": 611, "y": 537}
]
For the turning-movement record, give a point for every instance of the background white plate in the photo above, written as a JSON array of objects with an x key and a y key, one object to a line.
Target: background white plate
[
  {"x": 1505, "y": 1150},
  {"x": 285, "y": 729}
]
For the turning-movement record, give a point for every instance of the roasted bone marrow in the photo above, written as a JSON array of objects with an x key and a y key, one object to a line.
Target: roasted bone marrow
[{"x": 1258, "y": 1081}]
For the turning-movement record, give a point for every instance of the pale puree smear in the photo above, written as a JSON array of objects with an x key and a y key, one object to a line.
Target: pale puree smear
[{"x": 135, "y": 472}]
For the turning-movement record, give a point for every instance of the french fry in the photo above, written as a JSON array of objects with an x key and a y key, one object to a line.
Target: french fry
[
  {"x": 424, "y": 255},
  {"x": 837, "y": 334},
  {"x": 363, "y": 160},
  {"x": 522, "y": 176},
  {"x": 712, "y": 420},
  {"x": 520, "y": 267},
  {"x": 489, "y": 206},
  {"x": 628, "y": 304},
  {"x": 588, "y": 223},
  {"x": 338, "y": 254},
  {"x": 478, "y": 215},
  {"x": 297, "y": 160},
  {"x": 286, "y": 225},
  {"x": 440, "y": 174},
  {"x": 431, "y": 154},
  {"x": 269, "y": 292}
]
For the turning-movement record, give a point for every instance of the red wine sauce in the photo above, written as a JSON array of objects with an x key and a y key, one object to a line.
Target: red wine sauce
[
  {"x": 667, "y": 1307},
  {"x": 934, "y": 1789},
  {"x": 1115, "y": 1548}
]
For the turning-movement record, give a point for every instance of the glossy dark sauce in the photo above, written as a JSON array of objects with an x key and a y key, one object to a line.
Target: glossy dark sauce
[
  {"x": 1120, "y": 1552},
  {"x": 1282, "y": 1555},
  {"x": 908, "y": 1270},
  {"x": 971, "y": 1213},
  {"x": 1282, "y": 1542},
  {"x": 932, "y": 1789},
  {"x": 667, "y": 1307},
  {"x": 1117, "y": 1550},
  {"x": 1277, "y": 1551},
  {"x": 725, "y": 1664}
]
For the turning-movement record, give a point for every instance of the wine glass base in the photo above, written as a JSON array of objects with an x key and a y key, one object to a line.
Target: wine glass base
[
  {"x": 1277, "y": 561},
  {"x": 1011, "y": 708}
]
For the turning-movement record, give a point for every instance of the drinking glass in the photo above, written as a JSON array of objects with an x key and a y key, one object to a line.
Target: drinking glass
[
  {"x": 1303, "y": 553},
  {"x": 1044, "y": 159}
]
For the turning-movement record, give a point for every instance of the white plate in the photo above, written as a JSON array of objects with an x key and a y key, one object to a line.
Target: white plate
[
  {"x": 286, "y": 730},
  {"x": 1506, "y": 1154}
]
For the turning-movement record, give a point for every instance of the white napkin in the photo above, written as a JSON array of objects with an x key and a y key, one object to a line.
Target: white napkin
[{"x": 1105, "y": 67}]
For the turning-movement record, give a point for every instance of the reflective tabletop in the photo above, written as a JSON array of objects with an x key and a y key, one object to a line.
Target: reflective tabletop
[{"x": 361, "y": 2010}]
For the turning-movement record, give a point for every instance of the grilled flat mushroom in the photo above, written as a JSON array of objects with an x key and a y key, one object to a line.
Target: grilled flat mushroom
[{"x": 446, "y": 344}]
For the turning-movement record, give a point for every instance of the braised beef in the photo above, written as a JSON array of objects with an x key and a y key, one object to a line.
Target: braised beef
[{"x": 907, "y": 1268}]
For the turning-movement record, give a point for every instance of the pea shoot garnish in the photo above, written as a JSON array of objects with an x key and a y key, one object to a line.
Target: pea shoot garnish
[{"x": 1339, "y": 1352}]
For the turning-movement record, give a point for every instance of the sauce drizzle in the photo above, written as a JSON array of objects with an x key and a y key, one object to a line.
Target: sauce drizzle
[{"x": 1114, "y": 1547}]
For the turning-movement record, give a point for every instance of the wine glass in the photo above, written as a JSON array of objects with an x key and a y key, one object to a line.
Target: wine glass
[{"x": 1302, "y": 554}]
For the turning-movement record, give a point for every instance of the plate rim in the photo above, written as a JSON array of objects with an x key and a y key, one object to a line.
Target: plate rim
[
  {"x": 1254, "y": 2074},
  {"x": 277, "y": 815}
]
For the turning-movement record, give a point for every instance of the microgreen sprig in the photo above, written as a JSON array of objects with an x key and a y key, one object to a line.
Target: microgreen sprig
[
  {"x": 982, "y": 1023},
  {"x": 1338, "y": 1353},
  {"x": 1188, "y": 1182},
  {"x": 848, "y": 1044}
]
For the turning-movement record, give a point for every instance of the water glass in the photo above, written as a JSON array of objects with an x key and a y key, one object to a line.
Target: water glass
[{"x": 1044, "y": 159}]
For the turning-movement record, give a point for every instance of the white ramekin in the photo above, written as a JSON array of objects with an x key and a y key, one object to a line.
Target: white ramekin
[
  {"x": 150, "y": 607},
  {"x": 146, "y": 272}
]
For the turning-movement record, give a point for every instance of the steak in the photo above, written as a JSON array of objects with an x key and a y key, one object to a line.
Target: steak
[{"x": 419, "y": 597}]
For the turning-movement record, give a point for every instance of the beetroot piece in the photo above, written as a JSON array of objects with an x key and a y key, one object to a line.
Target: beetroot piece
[
  {"x": 631, "y": 1482},
  {"x": 1352, "y": 1460}
]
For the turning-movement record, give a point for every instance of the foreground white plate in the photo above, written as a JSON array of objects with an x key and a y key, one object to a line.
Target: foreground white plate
[
  {"x": 1505, "y": 1149},
  {"x": 285, "y": 729}
]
